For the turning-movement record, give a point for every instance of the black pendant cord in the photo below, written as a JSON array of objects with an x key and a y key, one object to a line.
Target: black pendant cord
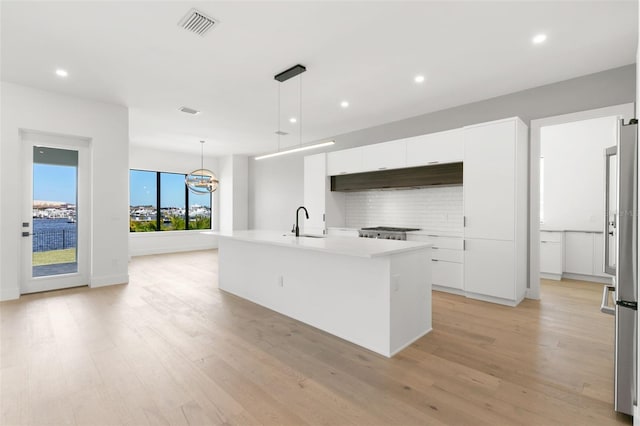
[{"x": 300, "y": 108}]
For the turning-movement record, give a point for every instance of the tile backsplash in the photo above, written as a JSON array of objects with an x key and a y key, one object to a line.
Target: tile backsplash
[{"x": 434, "y": 208}]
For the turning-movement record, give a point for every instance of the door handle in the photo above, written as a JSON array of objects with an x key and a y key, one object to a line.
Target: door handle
[{"x": 604, "y": 305}]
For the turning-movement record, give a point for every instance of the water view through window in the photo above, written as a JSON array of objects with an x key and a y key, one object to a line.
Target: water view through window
[
  {"x": 178, "y": 209},
  {"x": 55, "y": 227}
]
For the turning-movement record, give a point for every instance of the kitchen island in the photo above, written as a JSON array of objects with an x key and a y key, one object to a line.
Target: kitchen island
[{"x": 374, "y": 293}]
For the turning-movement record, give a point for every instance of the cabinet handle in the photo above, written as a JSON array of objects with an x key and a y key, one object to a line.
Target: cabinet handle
[
  {"x": 382, "y": 168},
  {"x": 435, "y": 248},
  {"x": 464, "y": 245},
  {"x": 464, "y": 221},
  {"x": 433, "y": 162},
  {"x": 342, "y": 173},
  {"x": 434, "y": 260}
]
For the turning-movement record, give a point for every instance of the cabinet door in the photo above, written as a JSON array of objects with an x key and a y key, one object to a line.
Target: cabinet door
[
  {"x": 435, "y": 148},
  {"x": 315, "y": 181},
  {"x": 383, "y": 156},
  {"x": 447, "y": 274},
  {"x": 345, "y": 161},
  {"x": 579, "y": 253},
  {"x": 551, "y": 257},
  {"x": 489, "y": 268},
  {"x": 489, "y": 181}
]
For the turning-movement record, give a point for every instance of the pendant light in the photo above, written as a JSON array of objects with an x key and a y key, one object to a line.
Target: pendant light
[
  {"x": 282, "y": 77},
  {"x": 201, "y": 181}
]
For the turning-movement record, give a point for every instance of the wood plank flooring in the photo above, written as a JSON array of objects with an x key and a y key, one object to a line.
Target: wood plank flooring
[{"x": 170, "y": 348}]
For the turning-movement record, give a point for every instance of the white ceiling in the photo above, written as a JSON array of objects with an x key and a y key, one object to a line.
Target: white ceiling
[{"x": 134, "y": 54}]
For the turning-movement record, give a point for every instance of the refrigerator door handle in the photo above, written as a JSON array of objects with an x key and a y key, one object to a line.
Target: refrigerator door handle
[{"x": 604, "y": 305}]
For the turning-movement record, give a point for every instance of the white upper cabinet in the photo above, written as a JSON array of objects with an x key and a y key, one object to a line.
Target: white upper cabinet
[
  {"x": 383, "y": 156},
  {"x": 489, "y": 180},
  {"x": 345, "y": 161},
  {"x": 314, "y": 193},
  {"x": 435, "y": 148}
]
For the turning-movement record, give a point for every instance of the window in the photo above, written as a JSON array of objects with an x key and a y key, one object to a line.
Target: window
[{"x": 178, "y": 209}]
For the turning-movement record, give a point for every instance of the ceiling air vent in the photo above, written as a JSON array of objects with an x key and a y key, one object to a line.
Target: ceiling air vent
[
  {"x": 189, "y": 110},
  {"x": 197, "y": 22}
]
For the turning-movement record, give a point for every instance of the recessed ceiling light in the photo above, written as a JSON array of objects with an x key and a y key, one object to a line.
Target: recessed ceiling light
[
  {"x": 61, "y": 73},
  {"x": 419, "y": 79},
  {"x": 344, "y": 104},
  {"x": 292, "y": 120},
  {"x": 540, "y": 38}
]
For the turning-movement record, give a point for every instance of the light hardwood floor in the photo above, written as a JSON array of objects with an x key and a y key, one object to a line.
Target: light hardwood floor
[{"x": 170, "y": 348}]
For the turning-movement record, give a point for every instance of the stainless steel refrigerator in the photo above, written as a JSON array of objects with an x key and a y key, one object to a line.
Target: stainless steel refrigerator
[{"x": 621, "y": 259}]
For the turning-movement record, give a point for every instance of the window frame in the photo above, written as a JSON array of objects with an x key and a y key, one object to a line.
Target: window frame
[{"x": 158, "y": 215}]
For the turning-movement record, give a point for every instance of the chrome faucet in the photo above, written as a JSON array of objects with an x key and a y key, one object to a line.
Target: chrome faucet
[{"x": 297, "y": 214}]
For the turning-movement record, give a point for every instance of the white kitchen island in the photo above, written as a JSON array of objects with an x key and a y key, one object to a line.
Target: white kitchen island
[{"x": 374, "y": 293}]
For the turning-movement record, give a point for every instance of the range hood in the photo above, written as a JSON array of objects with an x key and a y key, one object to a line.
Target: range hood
[{"x": 411, "y": 177}]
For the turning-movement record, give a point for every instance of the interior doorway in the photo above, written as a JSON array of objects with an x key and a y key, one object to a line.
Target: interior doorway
[
  {"x": 588, "y": 221},
  {"x": 56, "y": 212}
]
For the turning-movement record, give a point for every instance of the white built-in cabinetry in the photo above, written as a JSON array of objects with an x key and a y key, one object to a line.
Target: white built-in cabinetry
[
  {"x": 551, "y": 254},
  {"x": 383, "y": 156},
  {"x": 495, "y": 210},
  {"x": 490, "y": 262},
  {"x": 435, "y": 148},
  {"x": 345, "y": 161},
  {"x": 447, "y": 264},
  {"x": 584, "y": 254},
  {"x": 423, "y": 150}
]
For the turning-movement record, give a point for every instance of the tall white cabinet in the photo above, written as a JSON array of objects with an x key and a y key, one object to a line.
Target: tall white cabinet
[
  {"x": 325, "y": 208},
  {"x": 495, "y": 210}
]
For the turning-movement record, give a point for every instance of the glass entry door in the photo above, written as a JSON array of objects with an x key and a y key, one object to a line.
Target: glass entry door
[{"x": 55, "y": 225}]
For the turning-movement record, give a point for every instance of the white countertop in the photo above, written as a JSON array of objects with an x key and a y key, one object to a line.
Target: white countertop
[
  {"x": 359, "y": 247},
  {"x": 542, "y": 229}
]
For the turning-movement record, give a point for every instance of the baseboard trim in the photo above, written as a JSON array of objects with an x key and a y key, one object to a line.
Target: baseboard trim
[
  {"x": 456, "y": 291},
  {"x": 547, "y": 276},
  {"x": 491, "y": 299},
  {"x": 591, "y": 278},
  {"x": 106, "y": 280},
  {"x": 167, "y": 250}
]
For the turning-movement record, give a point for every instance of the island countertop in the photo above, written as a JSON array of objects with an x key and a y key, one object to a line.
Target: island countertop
[{"x": 349, "y": 246}]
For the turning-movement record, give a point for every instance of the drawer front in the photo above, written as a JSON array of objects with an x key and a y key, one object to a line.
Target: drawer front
[
  {"x": 451, "y": 243},
  {"x": 552, "y": 237},
  {"x": 447, "y": 274},
  {"x": 448, "y": 255}
]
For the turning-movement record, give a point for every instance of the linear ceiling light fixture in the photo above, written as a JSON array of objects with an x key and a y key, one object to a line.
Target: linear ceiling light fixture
[
  {"x": 298, "y": 149},
  {"x": 285, "y": 75}
]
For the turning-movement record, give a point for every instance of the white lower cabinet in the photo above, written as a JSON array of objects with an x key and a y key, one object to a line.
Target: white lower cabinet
[
  {"x": 447, "y": 264},
  {"x": 579, "y": 253},
  {"x": 491, "y": 266},
  {"x": 447, "y": 274},
  {"x": 584, "y": 255},
  {"x": 551, "y": 254}
]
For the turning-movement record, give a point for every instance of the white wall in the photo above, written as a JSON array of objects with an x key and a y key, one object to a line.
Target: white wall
[
  {"x": 107, "y": 127},
  {"x": 275, "y": 191},
  {"x": 234, "y": 193},
  {"x": 573, "y": 181},
  {"x": 144, "y": 243}
]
